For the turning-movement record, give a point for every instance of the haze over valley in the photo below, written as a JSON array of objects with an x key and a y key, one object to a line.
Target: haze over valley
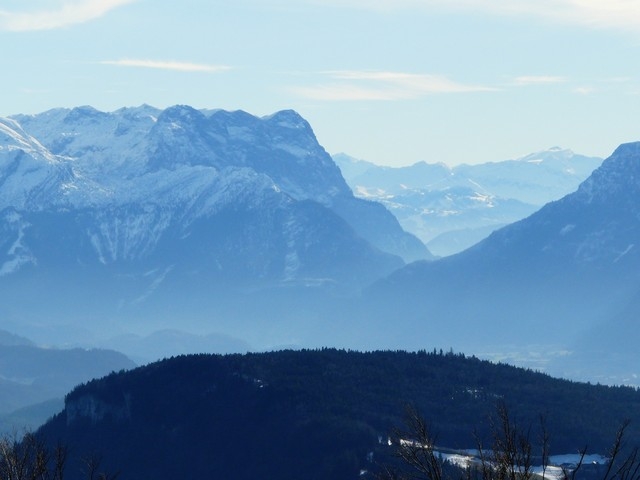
[
  {"x": 183, "y": 223},
  {"x": 319, "y": 239}
]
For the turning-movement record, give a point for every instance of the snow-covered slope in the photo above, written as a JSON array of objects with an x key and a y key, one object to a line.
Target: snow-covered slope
[{"x": 31, "y": 177}]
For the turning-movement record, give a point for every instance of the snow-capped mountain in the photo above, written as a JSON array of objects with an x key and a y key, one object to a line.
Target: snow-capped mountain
[
  {"x": 452, "y": 208},
  {"x": 112, "y": 215},
  {"x": 543, "y": 283},
  {"x": 202, "y": 159}
]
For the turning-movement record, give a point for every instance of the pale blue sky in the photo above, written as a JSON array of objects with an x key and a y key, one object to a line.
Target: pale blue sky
[{"x": 393, "y": 82}]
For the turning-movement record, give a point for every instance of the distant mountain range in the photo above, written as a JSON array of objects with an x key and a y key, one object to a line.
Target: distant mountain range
[
  {"x": 34, "y": 380},
  {"x": 452, "y": 208}
]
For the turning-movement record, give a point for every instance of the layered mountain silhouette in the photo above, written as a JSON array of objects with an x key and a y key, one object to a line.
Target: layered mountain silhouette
[
  {"x": 548, "y": 280},
  {"x": 35, "y": 379},
  {"x": 221, "y": 223}
]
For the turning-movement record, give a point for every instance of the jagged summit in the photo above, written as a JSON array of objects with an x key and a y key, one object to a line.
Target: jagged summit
[
  {"x": 555, "y": 153},
  {"x": 289, "y": 119},
  {"x": 619, "y": 177},
  {"x": 132, "y": 142}
]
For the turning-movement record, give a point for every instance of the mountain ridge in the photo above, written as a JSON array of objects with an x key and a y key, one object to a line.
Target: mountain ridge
[{"x": 218, "y": 144}]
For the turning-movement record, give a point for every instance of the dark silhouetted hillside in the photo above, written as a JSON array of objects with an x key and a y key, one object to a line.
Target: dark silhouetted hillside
[{"x": 315, "y": 414}]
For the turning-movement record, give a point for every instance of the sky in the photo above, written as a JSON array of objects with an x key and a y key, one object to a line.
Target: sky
[{"x": 393, "y": 82}]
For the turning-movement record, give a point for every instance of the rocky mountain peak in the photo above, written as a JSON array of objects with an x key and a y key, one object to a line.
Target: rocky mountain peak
[
  {"x": 289, "y": 119},
  {"x": 617, "y": 180},
  {"x": 182, "y": 116},
  {"x": 85, "y": 114}
]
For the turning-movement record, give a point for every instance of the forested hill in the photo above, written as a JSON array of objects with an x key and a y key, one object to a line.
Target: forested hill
[{"x": 316, "y": 414}]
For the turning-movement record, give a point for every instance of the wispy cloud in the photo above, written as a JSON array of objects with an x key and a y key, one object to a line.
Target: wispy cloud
[
  {"x": 167, "y": 65},
  {"x": 593, "y": 13},
  {"x": 538, "y": 80},
  {"x": 607, "y": 84},
  {"x": 584, "y": 90},
  {"x": 366, "y": 85},
  {"x": 604, "y": 13},
  {"x": 63, "y": 14}
]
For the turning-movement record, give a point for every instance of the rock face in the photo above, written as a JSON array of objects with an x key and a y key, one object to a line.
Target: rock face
[
  {"x": 116, "y": 215},
  {"x": 551, "y": 279},
  {"x": 35, "y": 380},
  {"x": 95, "y": 410}
]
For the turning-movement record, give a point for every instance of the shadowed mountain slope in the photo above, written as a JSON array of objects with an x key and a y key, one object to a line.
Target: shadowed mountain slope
[{"x": 545, "y": 280}]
